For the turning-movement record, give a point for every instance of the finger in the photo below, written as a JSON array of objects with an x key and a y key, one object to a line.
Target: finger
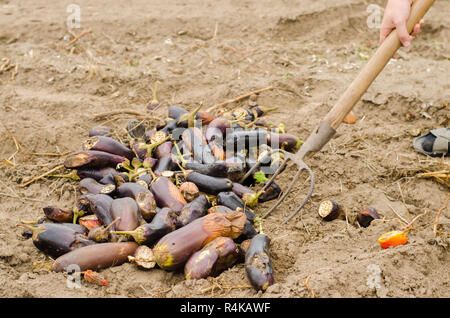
[
  {"x": 416, "y": 30},
  {"x": 384, "y": 32},
  {"x": 402, "y": 32}
]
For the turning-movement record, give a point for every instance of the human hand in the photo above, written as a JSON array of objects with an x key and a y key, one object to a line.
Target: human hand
[{"x": 395, "y": 16}]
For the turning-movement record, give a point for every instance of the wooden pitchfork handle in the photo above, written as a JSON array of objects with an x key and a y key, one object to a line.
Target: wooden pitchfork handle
[{"x": 361, "y": 83}]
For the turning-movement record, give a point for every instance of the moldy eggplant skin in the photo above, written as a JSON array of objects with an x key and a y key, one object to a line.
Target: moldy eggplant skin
[
  {"x": 175, "y": 248},
  {"x": 189, "y": 190},
  {"x": 257, "y": 263},
  {"x": 144, "y": 198},
  {"x": 148, "y": 234},
  {"x": 56, "y": 239},
  {"x": 193, "y": 210},
  {"x": 167, "y": 194},
  {"x": 208, "y": 184},
  {"x": 92, "y": 159},
  {"x": 212, "y": 259},
  {"x": 108, "y": 144},
  {"x": 96, "y": 257}
]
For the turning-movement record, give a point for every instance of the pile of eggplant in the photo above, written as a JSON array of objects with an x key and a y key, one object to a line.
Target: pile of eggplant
[{"x": 172, "y": 196}]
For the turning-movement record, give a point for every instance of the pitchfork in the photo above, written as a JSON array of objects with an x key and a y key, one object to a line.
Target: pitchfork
[{"x": 327, "y": 128}]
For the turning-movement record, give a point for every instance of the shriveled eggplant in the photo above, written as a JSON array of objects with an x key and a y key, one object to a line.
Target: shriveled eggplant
[
  {"x": 96, "y": 257},
  {"x": 232, "y": 201},
  {"x": 108, "y": 144},
  {"x": 128, "y": 211},
  {"x": 144, "y": 198},
  {"x": 193, "y": 210},
  {"x": 89, "y": 185},
  {"x": 56, "y": 239},
  {"x": 219, "y": 209},
  {"x": 175, "y": 248},
  {"x": 217, "y": 169},
  {"x": 258, "y": 266},
  {"x": 208, "y": 184},
  {"x": 189, "y": 190},
  {"x": 164, "y": 222},
  {"x": 212, "y": 259},
  {"x": 287, "y": 142},
  {"x": 167, "y": 194},
  {"x": 101, "y": 234},
  {"x": 58, "y": 215},
  {"x": 92, "y": 159}
]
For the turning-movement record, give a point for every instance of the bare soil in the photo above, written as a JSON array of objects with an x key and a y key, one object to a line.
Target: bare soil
[{"x": 204, "y": 51}]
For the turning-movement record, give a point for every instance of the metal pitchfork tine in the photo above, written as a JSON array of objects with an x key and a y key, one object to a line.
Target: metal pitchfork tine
[{"x": 327, "y": 128}]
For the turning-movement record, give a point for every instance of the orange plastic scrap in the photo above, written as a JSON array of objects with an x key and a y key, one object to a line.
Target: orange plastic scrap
[
  {"x": 393, "y": 238},
  {"x": 94, "y": 277}
]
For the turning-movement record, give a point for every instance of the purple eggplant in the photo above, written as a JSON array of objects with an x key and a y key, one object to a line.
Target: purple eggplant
[
  {"x": 89, "y": 185},
  {"x": 217, "y": 169},
  {"x": 258, "y": 266},
  {"x": 287, "y": 142},
  {"x": 128, "y": 211},
  {"x": 148, "y": 234},
  {"x": 92, "y": 159},
  {"x": 193, "y": 210},
  {"x": 97, "y": 174},
  {"x": 96, "y": 257},
  {"x": 56, "y": 239},
  {"x": 212, "y": 259},
  {"x": 108, "y": 144},
  {"x": 167, "y": 194},
  {"x": 208, "y": 184},
  {"x": 143, "y": 197}
]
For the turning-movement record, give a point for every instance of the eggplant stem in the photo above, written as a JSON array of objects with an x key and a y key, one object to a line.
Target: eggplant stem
[
  {"x": 254, "y": 199},
  {"x": 77, "y": 214},
  {"x": 180, "y": 155},
  {"x": 153, "y": 145},
  {"x": 112, "y": 223},
  {"x": 269, "y": 109},
  {"x": 190, "y": 117},
  {"x": 259, "y": 220},
  {"x": 73, "y": 175}
]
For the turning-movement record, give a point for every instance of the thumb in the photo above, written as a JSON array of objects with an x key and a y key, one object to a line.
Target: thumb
[{"x": 402, "y": 33}]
